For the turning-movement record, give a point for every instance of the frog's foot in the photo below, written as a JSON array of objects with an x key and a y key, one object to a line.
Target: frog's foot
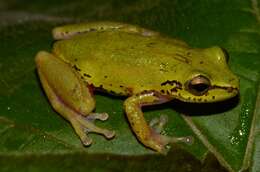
[
  {"x": 157, "y": 124},
  {"x": 150, "y": 135},
  {"x": 159, "y": 140},
  {"x": 85, "y": 124},
  {"x": 70, "y": 96}
]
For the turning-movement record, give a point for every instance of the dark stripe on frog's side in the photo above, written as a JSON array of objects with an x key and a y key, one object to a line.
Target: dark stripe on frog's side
[
  {"x": 229, "y": 89},
  {"x": 79, "y": 70},
  {"x": 76, "y": 68},
  {"x": 174, "y": 90},
  {"x": 125, "y": 91},
  {"x": 83, "y": 75},
  {"x": 120, "y": 91},
  {"x": 86, "y": 75},
  {"x": 170, "y": 92},
  {"x": 175, "y": 83},
  {"x": 163, "y": 91}
]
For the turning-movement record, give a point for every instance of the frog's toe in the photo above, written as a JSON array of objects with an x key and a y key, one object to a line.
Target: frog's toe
[
  {"x": 99, "y": 116},
  {"x": 84, "y": 125},
  {"x": 80, "y": 130},
  {"x": 157, "y": 124},
  {"x": 86, "y": 140},
  {"x": 90, "y": 127},
  {"x": 109, "y": 134},
  {"x": 159, "y": 140}
]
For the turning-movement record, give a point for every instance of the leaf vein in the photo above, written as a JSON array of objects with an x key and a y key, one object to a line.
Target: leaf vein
[
  {"x": 252, "y": 134},
  {"x": 256, "y": 10},
  {"x": 206, "y": 142}
]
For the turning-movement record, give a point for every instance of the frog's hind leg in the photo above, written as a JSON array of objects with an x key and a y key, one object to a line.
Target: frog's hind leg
[
  {"x": 70, "y": 96},
  {"x": 150, "y": 135},
  {"x": 68, "y": 31}
]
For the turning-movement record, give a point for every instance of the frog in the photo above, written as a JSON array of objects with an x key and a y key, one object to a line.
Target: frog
[{"x": 145, "y": 67}]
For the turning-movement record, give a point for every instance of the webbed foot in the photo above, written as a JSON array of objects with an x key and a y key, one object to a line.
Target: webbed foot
[
  {"x": 160, "y": 140},
  {"x": 85, "y": 124},
  {"x": 150, "y": 135}
]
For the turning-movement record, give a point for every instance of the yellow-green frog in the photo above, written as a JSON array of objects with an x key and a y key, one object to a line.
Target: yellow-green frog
[{"x": 134, "y": 62}]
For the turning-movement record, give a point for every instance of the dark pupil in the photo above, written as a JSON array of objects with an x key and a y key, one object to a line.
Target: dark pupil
[{"x": 199, "y": 88}]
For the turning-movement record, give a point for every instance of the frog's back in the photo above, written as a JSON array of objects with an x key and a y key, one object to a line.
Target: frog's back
[{"x": 120, "y": 62}]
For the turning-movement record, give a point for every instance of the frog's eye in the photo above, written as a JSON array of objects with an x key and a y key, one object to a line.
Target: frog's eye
[
  {"x": 226, "y": 55},
  {"x": 198, "y": 85}
]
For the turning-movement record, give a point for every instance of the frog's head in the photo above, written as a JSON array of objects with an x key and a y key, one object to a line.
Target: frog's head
[{"x": 208, "y": 77}]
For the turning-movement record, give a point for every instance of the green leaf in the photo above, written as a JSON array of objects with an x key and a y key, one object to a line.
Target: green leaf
[{"x": 35, "y": 138}]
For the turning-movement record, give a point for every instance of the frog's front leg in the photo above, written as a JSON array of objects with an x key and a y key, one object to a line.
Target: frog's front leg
[
  {"x": 146, "y": 134},
  {"x": 69, "y": 96},
  {"x": 68, "y": 31}
]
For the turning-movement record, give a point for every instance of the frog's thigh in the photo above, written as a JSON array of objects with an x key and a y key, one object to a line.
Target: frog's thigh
[
  {"x": 60, "y": 80},
  {"x": 67, "y": 31},
  {"x": 147, "y": 134},
  {"x": 69, "y": 95}
]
